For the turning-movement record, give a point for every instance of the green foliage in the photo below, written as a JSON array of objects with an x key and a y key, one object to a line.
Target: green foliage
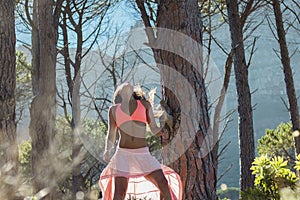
[
  {"x": 92, "y": 135},
  {"x": 93, "y": 132},
  {"x": 271, "y": 175},
  {"x": 153, "y": 141},
  {"x": 274, "y": 169},
  {"x": 94, "y": 128},
  {"x": 23, "y": 73},
  {"x": 253, "y": 194},
  {"x": 277, "y": 142},
  {"x": 297, "y": 165},
  {"x": 212, "y": 7},
  {"x": 24, "y": 159},
  {"x": 24, "y": 152},
  {"x": 23, "y": 90}
]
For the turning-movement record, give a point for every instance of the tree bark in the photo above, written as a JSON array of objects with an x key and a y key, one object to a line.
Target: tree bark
[
  {"x": 187, "y": 150},
  {"x": 246, "y": 135},
  {"x": 43, "y": 106},
  {"x": 8, "y": 137},
  {"x": 288, "y": 74}
]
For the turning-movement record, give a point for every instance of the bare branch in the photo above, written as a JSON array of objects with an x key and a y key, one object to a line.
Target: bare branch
[
  {"x": 285, "y": 104},
  {"x": 146, "y": 20},
  {"x": 27, "y": 13},
  {"x": 252, "y": 52}
]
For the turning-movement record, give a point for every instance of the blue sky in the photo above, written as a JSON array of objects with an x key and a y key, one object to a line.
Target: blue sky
[{"x": 120, "y": 16}]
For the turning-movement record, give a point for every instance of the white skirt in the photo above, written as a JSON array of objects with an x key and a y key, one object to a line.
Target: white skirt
[{"x": 134, "y": 164}]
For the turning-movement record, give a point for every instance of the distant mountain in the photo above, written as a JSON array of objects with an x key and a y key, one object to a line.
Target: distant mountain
[{"x": 265, "y": 77}]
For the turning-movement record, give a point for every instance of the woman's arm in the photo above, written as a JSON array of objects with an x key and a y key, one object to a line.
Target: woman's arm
[
  {"x": 151, "y": 122},
  {"x": 111, "y": 135}
]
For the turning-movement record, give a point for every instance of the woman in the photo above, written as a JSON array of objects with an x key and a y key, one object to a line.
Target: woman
[{"x": 133, "y": 172}]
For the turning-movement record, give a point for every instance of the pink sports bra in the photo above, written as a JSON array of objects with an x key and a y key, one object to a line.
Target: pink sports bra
[{"x": 138, "y": 115}]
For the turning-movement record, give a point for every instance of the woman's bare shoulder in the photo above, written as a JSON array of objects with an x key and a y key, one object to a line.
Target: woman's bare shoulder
[{"x": 112, "y": 108}]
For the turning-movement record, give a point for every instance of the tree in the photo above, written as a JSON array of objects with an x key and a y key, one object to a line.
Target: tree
[
  {"x": 246, "y": 135},
  {"x": 8, "y": 137},
  {"x": 77, "y": 18},
  {"x": 44, "y": 25},
  {"x": 194, "y": 161},
  {"x": 212, "y": 11},
  {"x": 92, "y": 131},
  {"x": 288, "y": 75}
]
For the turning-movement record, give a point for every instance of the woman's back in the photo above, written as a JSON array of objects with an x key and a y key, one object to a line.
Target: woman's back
[{"x": 131, "y": 120}]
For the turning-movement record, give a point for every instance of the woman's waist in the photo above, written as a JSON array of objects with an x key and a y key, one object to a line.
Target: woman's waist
[
  {"x": 139, "y": 150},
  {"x": 136, "y": 143}
]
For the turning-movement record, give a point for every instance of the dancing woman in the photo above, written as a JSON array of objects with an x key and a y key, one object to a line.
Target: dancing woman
[{"x": 133, "y": 172}]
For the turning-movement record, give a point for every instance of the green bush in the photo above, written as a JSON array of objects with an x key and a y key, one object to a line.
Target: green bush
[
  {"x": 297, "y": 163},
  {"x": 253, "y": 194},
  {"x": 24, "y": 160},
  {"x": 271, "y": 175},
  {"x": 275, "y": 167},
  {"x": 277, "y": 142}
]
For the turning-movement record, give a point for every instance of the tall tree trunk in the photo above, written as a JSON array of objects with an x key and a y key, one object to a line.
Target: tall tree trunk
[
  {"x": 178, "y": 53},
  {"x": 8, "y": 137},
  {"x": 195, "y": 165},
  {"x": 246, "y": 135},
  {"x": 43, "y": 106},
  {"x": 77, "y": 177},
  {"x": 288, "y": 75}
]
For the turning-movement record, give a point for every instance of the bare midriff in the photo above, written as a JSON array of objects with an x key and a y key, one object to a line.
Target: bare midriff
[{"x": 132, "y": 135}]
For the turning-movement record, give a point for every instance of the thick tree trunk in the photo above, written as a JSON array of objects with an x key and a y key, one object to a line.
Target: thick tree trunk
[
  {"x": 288, "y": 75},
  {"x": 184, "y": 97},
  {"x": 8, "y": 137},
  {"x": 246, "y": 135},
  {"x": 43, "y": 106}
]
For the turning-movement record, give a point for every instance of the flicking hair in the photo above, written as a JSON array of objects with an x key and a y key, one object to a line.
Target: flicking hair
[{"x": 138, "y": 93}]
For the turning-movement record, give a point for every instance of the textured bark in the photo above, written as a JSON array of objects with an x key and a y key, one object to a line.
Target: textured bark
[
  {"x": 197, "y": 172},
  {"x": 288, "y": 74},
  {"x": 196, "y": 168},
  {"x": 43, "y": 106},
  {"x": 8, "y": 138},
  {"x": 246, "y": 135}
]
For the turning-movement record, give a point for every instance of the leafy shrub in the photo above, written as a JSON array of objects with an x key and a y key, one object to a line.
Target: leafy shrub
[
  {"x": 253, "y": 194},
  {"x": 271, "y": 175},
  {"x": 297, "y": 165},
  {"x": 274, "y": 169},
  {"x": 24, "y": 159},
  {"x": 277, "y": 142}
]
